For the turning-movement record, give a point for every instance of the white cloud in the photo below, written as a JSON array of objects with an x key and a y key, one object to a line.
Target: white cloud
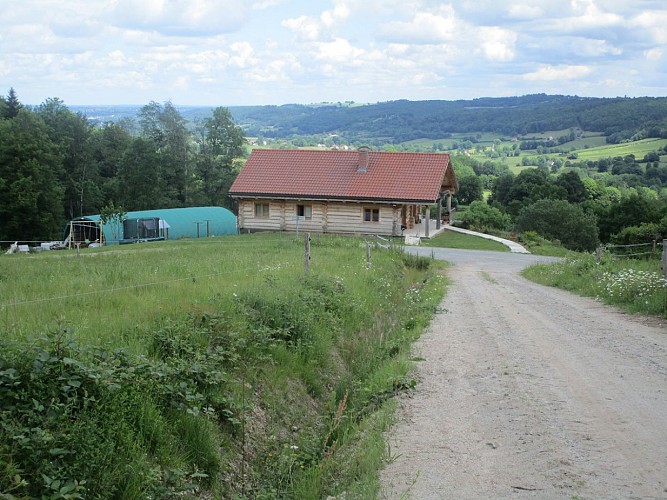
[
  {"x": 199, "y": 50},
  {"x": 654, "y": 54},
  {"x": 587, "y": 14},
  {"x": 654, "y": 22},
  {"x": 339, "y": 13},
  {"x": 244, "y": 55},
  {"x": 338, "y": 51},
  {"x": 306, "y": 27},
  {"x": 425, "y": 27},
  {"x": 525, "y": 11},
  {"x": 563, "y": 72},
  {"x": 182, "y": 17},
  {"x": 595, "y": 48},
  {"x": 497, "y": 43},
  {"x": 266, "y": 4}
]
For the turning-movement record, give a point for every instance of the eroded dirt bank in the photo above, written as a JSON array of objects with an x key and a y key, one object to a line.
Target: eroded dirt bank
[{"x": 531, "y": 392}]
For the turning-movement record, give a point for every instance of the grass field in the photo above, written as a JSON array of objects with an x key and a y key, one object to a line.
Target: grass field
[
  {"x": 452, "y": 239},
  {"x": 637, "y": 148},
  {"x": 592, "y": 146},
  {"x": 212, "y": 368}
]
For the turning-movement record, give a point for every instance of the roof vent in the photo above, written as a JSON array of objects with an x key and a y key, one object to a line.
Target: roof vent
[{"x": 362, "y": 166}]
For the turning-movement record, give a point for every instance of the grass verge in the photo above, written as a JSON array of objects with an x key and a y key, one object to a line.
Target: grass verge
[
  {"x": 452, "y": 239},
  {"x": 636, "y": 286}
]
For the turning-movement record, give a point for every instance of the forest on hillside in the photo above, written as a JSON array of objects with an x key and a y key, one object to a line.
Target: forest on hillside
[{"x": 398, "y": 121}]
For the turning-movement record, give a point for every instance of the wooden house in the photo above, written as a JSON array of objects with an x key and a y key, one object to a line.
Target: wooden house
[{"x": 363, "y": 191}]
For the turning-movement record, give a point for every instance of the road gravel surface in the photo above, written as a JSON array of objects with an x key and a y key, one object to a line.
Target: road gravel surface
[{"x": 526, "y": 391}]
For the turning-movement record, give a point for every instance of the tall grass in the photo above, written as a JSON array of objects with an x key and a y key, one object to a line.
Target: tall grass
[
  {"x": 637, "y": 286},
  {"x": 215, "y": 367}
]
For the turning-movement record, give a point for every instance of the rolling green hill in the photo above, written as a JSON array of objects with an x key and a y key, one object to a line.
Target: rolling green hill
[{"x": 400, "y": 121}]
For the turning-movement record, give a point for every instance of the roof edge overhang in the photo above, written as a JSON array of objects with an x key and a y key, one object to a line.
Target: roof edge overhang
[{"x": 346, "y": 199}]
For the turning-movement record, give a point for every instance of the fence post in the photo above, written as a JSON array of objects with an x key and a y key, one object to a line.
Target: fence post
[
  {"x": 664, "y": 258},
  {"x": 368, "y": 255},
  {"x": 598, "y": 254},
  {"x": 306, "y": 263}
]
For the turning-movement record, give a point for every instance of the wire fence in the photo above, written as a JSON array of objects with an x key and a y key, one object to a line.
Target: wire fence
[
  {"x": 635, "y": 250},
  {"x": 380, "y": 243}
]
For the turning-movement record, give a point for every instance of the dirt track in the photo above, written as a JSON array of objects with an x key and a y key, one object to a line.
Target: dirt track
[{"x": 531, "y": 392}]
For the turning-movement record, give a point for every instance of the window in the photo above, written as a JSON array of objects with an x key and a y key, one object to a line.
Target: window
[
  {"x": 305, "y": 211},
  {"x": 371, "y": 215},
  {"x": 262, "y": 210}
]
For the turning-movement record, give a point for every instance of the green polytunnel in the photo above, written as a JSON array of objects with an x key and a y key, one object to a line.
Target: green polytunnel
[{"x": 160, "y": 224}]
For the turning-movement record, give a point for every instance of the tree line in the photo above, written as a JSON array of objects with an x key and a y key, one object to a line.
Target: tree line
[
  {"x": 56, "y": 165},
  {"x": 580, "y": 208}
]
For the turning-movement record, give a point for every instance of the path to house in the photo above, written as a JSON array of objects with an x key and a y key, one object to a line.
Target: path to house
[{"x": 530, "y": 392}]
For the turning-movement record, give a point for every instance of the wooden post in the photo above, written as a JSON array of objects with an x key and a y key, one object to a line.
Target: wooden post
[
  {"x": 307, "y": 253},
  {"x": 449, "y": 209},
  {"x": 439, "y": 221},
  {"x": 664, "y": 258},
  {"x": 368, "y": 255},
  {"x": 427, "y": 221},
  {"x": 598, "y": 254}
]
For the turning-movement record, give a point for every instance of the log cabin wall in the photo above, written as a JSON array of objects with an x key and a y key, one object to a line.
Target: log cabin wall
[{"x": 325, "y": 217}]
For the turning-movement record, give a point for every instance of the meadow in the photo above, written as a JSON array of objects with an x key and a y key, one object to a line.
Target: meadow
[{"x": 206, "y": 368}]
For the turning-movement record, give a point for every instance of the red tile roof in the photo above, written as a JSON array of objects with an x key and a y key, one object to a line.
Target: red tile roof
[{"x": 407, "y": 177}]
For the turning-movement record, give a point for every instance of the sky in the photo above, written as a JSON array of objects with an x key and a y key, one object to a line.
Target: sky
[{"x": 250, "y": 52}]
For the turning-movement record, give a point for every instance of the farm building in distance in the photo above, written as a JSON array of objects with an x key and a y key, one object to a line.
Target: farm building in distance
[
  {"x": 147, "y": 225},
  {"x": 363, "y": 192}
]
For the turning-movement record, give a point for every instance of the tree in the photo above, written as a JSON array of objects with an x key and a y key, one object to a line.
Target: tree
[
  {"x": 166, "y": 129},
  {"x": 109, "y": 143},
  {"x": 631, "y": 210},
  {"x": 470, "y": 189},
  {"x": 139, "y": 178},
  {"x": 529, "y": 186},
  {"x": 79, "y": 176},
  {"x": 30, "y": 192},
  {"x": 114, "y": 216},
  {"x": 571, "y": 182},
  {"x": 220, "y": 143},
  {"x": 562, "y": 221},
  {"x": 502, "y": 188},
  {"x": 13, "y": 104}
]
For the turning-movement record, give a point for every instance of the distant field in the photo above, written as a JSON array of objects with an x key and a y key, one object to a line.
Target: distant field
[
  {"x": 592, "y": 146},
  {"x": 637, "y": 148}
]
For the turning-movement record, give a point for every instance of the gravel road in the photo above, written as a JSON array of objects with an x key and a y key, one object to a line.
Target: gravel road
[{"x": 527, "y": 391}]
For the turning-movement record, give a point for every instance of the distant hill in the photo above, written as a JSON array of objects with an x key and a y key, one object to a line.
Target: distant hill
[{"x": 399, "y": 121}]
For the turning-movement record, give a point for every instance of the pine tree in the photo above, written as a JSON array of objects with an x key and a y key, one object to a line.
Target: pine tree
[{"x": 13, "y": 104}]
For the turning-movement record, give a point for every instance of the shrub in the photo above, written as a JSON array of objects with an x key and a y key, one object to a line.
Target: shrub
[
  {"x": 484, "y": 218},
  {"x": 644, "y": 233},
  {"x": 562, "y": 221}
]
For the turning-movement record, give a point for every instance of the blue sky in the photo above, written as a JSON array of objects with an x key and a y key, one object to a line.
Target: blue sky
[{"x": 236, "y": 52}]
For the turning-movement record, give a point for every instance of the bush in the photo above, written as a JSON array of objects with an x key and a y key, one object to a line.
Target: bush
[
  {"x": 644, "y": 233},
  {"x": 562, "y": 221},
  {"x": 483, "y": 218}
]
